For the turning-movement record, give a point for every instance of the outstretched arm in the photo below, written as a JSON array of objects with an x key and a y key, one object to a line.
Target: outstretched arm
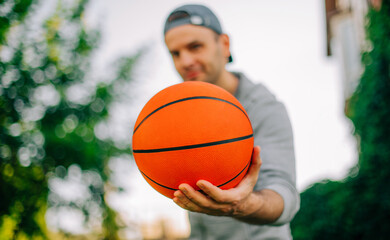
[{"x": 259, "y": 207}]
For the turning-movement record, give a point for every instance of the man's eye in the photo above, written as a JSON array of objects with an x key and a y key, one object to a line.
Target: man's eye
[
  {"x": 196, "y": 46},
  {"x": 175, "y": 54}
]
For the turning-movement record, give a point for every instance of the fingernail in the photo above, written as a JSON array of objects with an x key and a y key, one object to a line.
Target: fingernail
[{"x": 184, "y": 190}]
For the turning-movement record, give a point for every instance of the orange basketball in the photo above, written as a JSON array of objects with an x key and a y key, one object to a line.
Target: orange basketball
[{"x": 192, "y": 131}]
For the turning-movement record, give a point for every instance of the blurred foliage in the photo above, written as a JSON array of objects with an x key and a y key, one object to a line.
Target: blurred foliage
[
  {"x": 11, "y": 12},
  {"x": 49, "y": 113},
  {"x": 359, "y": 206}
]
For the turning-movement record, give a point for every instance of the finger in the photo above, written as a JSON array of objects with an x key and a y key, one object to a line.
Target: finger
[
  {"x": 182, "y": 201},
  {"x": 213, "y": 192},
  {"x": 220, "y": 196},
  {"x": 195, "y": 198},
  {"x": 256, "y": 160},
  {"x": 250, "y": 178},
  {"x": 242, "y": 189}
]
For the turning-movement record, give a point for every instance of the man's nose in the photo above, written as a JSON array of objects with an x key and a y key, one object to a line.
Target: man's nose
[{"x": 187, "y": 59}]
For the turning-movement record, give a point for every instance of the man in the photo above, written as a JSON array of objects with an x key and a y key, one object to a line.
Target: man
[{"x": 265, "y": 201}]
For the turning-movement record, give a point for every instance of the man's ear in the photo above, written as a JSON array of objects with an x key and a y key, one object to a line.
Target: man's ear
[{"x": 225, "y": 41}]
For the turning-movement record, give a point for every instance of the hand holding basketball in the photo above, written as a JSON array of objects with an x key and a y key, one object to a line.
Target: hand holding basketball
[{"x": 233, "y": 202}]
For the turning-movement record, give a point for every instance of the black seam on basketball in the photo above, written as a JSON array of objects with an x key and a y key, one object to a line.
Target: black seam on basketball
[
  {"x": 174, "y": 189},
  {"x": 186, "y": 99},
  {"x": 235, "y": 176},
  {"x": 192, "y": 146}
]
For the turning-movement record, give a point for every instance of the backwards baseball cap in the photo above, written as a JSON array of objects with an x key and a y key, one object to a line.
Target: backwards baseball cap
[{"x": 198, "y": 15}]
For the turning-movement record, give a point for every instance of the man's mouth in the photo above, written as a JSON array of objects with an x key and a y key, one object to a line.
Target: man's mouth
[{"x": 192, "y": 75}]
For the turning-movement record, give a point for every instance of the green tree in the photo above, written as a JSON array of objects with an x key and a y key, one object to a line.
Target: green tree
[
  {"x": 359, "y": 206},
  {"x": 11, "y": 12},
  {"x": 50, "y": 109}
]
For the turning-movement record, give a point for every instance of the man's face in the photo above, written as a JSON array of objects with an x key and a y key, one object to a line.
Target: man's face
[{"x": 199, "y": 54}]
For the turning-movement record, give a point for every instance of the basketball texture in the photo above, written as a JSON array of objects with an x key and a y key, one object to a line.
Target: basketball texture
[{"x": 192, "y": 131}]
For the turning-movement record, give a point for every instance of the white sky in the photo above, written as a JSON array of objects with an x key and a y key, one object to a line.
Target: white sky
[{"x": 280, "y": 43}]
